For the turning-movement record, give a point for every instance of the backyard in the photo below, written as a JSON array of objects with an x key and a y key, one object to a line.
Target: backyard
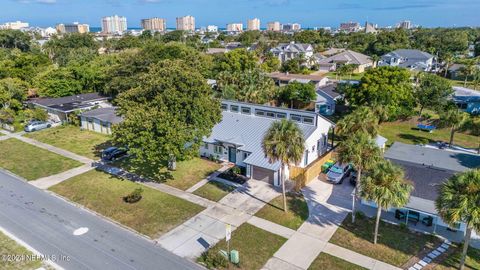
[
  {"x": 72, "y": 138},
  {"x": 406, "y": 132},
  {"x": 334, "y": 76},
  {"x": 187, "y": 174},
  {"x": 214, "y": 191},
  {"x": 327, "y": 261},
  {"x": 396, "y": 245},
  {"x": 10, "y": 247},
  {"x": 254, "y": 245},
  {"x": 293, "y": 219},
  {"x": 31, "y": 162},
  {"x": 155, "y": 214}
]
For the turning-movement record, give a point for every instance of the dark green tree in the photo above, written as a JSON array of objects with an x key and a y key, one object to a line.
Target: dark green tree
[{"x": 432, "y": 92}]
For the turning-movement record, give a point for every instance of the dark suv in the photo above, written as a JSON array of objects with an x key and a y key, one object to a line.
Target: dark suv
[{"x": 113, "y": 153}]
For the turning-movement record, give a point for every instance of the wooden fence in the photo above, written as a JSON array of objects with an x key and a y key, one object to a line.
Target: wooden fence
[{"x": 303, "y": 176}]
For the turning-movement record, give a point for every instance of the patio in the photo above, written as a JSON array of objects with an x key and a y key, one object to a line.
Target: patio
[{"x": 415, "y": 226}]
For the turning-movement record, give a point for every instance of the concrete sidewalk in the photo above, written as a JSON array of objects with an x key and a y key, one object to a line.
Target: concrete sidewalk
[
  {"x": 48, "y": 147},
  {"x": 46, "y": 182},
  {"x": 208, "y": 227}
]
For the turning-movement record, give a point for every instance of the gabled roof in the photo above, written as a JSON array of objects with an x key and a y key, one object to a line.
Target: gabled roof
[
  {"x": 108, "y": 115},
  {"x": 348, "y": 57},
  {"x": 409, "y": 54},
  {"x": 293, "y": 47}
]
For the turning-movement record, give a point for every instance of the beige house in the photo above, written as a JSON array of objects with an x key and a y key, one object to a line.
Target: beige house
[{"x": 336, "y": 58}]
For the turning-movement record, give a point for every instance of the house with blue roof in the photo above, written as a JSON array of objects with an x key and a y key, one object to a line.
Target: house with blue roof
[
  {"x": 467, "y": 99},
  {"x": 238, "y": 138}
]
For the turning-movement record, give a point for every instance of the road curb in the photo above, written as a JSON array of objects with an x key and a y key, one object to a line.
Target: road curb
[{"x": 29, "y": 248}]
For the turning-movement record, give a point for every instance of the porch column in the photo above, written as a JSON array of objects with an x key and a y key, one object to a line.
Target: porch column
[
  {"x": 435, "y": 225},
  {"x": 406, "y": 217},
  {"x": 333, "y": 136}
]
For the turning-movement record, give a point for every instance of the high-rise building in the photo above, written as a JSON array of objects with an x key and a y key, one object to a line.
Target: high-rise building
[
  {"x": 73, "y": 28},
  {"x": 154, "y": 24},
  {"x": 274, "y": 26},
  {"x": 212, "y": 28},
  {"x": 114, "y": 24},
  {"x": 186, "y": 23},
  {"x": 350, "y": 26},
  {"x": 14, "y": 25},
  {"x": 235, "y": 27},
  {"x": 291, "y": 27},
  {"x": 253, "y": 24},
  {"x": 405, "y": 24}
]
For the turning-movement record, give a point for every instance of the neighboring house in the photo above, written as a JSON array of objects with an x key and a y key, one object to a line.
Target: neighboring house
[
  {"x": 58, "y": 109},
  {"x": 100, "y": 120},
  {"x": 238, "y": 138},
  {"x": 407, "y": 58},
  {"x": 427, "y": 168},
  {"x": 282, "y": 79},
  {"x": 288, "y": 51},
  {"x": 326, "y": 99},
  {"x": 467, "y": 99},
  {"x": 381, "y": 142},
  {"x": 345, "y": 57},
  {"x": 332, "y": 51},
  {"x": 455, "y": 71}
]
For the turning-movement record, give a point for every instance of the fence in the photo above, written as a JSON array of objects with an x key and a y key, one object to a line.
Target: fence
[{"x": 303, "y": 176}]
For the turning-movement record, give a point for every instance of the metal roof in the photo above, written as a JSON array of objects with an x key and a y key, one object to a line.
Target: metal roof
[
  {"x": 104, "y": 114},
  {"x": 247, "y": 132}
]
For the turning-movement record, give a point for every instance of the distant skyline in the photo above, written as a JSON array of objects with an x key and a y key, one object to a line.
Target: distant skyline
[{"x": 309, "y": 13}]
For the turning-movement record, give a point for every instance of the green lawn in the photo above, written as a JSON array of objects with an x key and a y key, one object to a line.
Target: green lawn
[
  {"x": 453, "y": 260},
  {"x": 31, "y": 162},
  {"x": 155, "y": 214},
  {"x": 356, "y": 76},
  {"x": 293, "y": 219},
  {"x": 187, "y": 174},
  {"x": 406, "y": 132},
  {"x": 72, "y": 138},
  {"x": 214, "y": 191},
  {"x": 327, "y": 261},
  {"x": 395, "y": 244},
  {"x": 10, "y": 247},
  {"x": 254, "y": 245}
]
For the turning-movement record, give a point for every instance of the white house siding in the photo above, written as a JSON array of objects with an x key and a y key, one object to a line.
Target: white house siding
[
  {"x": 208, "y": 149},
  {"x": 95, "y": 125}
]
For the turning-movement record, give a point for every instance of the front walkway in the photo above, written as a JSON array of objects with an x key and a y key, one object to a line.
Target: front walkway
[
  {"x": 46, "y": 182},
  {"x": 208, "y": 227}
]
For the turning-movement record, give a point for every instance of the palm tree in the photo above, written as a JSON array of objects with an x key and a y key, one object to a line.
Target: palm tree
[
  {"x": 387, "y": 187},
  {"x": 284, "y": 143},
  {"x": 361, "y": 151},
  {"x": 362, "y": 119},
  {"x": 447, "y": 61},
  {"x": 375, "y": 58},
  {"x": 459, "y": 201},
  {"x": 453, "y": 118},
  {"x": 468, "y": 70}
]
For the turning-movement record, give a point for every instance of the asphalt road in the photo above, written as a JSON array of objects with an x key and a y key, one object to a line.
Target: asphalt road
[{"x": 47, "y": 224}]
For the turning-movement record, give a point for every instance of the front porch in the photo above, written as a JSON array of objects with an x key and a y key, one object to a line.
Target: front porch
[{"x": 436, "y": 226}]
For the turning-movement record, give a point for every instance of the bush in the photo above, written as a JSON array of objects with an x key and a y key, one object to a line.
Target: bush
[
  {"x": 403, "y": 226},
  {"x": 236, "y": 170},
  {"x": 360, "y": 215},
  {"x": 213, "y": 260},
  {"x": 134, "y": 197}
]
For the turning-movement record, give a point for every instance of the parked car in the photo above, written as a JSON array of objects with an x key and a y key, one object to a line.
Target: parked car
[
  {"x": 338, "y": 172},
  {"x": 113, "y": 153},
  {"x": 36, "y": 125}
]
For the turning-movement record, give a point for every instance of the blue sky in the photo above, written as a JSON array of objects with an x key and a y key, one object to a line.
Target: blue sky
[{"x": 309, "y": 13}]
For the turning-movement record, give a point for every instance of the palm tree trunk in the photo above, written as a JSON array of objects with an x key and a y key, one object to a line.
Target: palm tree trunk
[
  {"x": 446, "y": 71},
  {"x": 465, "y": 82},
  {"x": 452, "y": 132},
  {"x": 377, "y": 222},
  {"x": 357, "y": 185},
  {"x": 466, "y": 242},
  {"x": 282, "y": 176}
]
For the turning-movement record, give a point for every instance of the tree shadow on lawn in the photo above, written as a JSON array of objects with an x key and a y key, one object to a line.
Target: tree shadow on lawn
[
  {"x": 144, "y": 171},
  {"x": 415, "y": 138},
  {"x": 98, "y": 149}
]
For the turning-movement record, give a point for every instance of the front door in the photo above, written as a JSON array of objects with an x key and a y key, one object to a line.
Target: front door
[{"x": 232, "y": 154}]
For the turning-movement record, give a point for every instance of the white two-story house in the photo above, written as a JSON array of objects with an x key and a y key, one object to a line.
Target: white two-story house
[
  {"x": 238, "y": 138},
  {"x": 288, "y": 51}
]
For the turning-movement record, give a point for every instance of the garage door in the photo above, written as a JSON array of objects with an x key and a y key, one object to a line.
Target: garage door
[{"x": 263, "y": 174}]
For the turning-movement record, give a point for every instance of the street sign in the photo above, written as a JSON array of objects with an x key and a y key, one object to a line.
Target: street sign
[{"x": 228, "y": 232}]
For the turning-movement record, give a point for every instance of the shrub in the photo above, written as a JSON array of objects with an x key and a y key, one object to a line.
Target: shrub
[
  {"x": 134, "y": 197},
  {"x": 403, "y": 226},
  {"x": 213, "y": 260},
  {"x": 236, "y": 170},
  {"x": 360, "y": 215}
]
